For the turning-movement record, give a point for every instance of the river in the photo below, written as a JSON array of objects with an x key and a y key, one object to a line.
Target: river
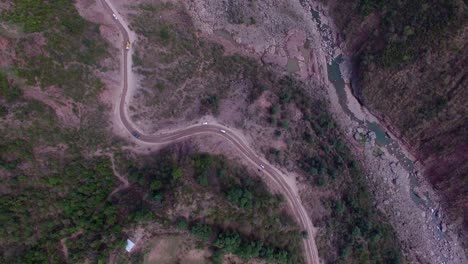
[{"x": 382, "y": 140}]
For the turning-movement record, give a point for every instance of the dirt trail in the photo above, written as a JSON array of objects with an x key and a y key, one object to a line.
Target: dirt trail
[
  {"x": 63, "y": 242},
  {"x": 285, "y": 184},
  {"x": 125, "y": 184}
]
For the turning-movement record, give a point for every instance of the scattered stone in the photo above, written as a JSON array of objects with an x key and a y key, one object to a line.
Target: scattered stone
[
  {"x": 357, "y": 136},
  {"x": 419, "y": 193},
  {"x": 393, "y": 167},
  {"x": 372, "y": 136},
  {"x": 444, "y": 227}
]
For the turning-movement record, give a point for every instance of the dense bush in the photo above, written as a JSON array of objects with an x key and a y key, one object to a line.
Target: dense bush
[
  {"x": 327, "y": 161},
  {"x": 410, "y": 27},
  {"x": 72, "y": 51},
  {"x": 201, "y": 231},
  {"x": 8, "y": 91},
  {"x": 56, "y": 206},
  {"x": 211, "y": 102},
  {"x": 240, "y": 197},
  {"x": 232, "y": 242}
]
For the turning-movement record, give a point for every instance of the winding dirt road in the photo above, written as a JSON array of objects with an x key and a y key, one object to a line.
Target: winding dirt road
[{"x": 276, "y": 176}]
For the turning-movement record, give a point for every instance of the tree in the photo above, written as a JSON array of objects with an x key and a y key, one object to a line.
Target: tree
[
  {"x": 164, "y": 33},
  {"x": 203, "y": 232},
  {"x": 240, "y": 197},
  {"x": 340, "y": 207},
  {"x": 182, "y": 224},
  {"x": 176, "y": 173},
  {"x": 217, "y": 257},
  {"x": 156, "y": 185},
  {"x": 203, "y": 180},
  {"x": 274, "y": 109},
  {"x": 211, "y": 102},
  {"x": 229, "y": 242},
  {"x": 345, "y": 251},
  {"x": 356, "y": 232}
]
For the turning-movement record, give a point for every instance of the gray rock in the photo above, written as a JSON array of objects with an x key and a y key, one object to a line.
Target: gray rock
[
  {"x": 371, "y": 135},
  {"x": 357, "y": 136},
  {"x": 444, "y": 227}
]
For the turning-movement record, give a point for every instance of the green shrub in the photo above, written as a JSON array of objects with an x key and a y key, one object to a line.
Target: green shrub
[
  {"x": 182, "y": 224},
  {"x": 201, "y": 231},
  {"x": 8, "y": 91}
]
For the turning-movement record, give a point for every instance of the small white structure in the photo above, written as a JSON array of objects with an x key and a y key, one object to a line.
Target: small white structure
[{"x": 130, "y": 245}]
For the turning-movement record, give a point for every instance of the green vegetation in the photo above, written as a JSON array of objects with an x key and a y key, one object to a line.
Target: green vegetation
[
  {"x": 72, "y": 50},
  {"x": 41, "y": 209},
  {"x": 211, "y": 103},
  {"x": 49, "y": 193},
  {"x": 182, "y": 224},
  {"x": 52, "y": 185},
  {"x": 411, "y": 61},
  {"x": 354, "y": 232},
  {"x": 241, "y": 197},
  {"x": 36, "y": 16},
  {"x": 69, "y": 196},
  {"x": 232, "y": 242},
  {"x": 410, "y": 26},
  {"x": 363, "y": 235},
  {"x": 55, "y": 187},
  {"x": 178, "y": 178},
  {"x": 313, "y": 140},
  {"x": 8, "y": 91},
  {"x": 201, "y": 231}
]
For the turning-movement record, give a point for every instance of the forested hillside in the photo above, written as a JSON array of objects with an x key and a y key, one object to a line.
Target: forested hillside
[
  {"x": 411, "y": 67},
  {"x": 60, "y": 200}
]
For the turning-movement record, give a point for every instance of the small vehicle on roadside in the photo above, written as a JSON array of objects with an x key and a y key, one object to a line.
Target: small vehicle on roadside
[
  {"x": 128, "y": 45},
  {"x": 136, "y": 134},
  {"x": 115, "y": 16},
  {"x": 205, "y": 123},
  {"x": 261, "y": 166},
  {"x": 222, "y": 131}
]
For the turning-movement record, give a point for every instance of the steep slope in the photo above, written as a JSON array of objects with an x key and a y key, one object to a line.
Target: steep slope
[{"x": 411, "y": 70}]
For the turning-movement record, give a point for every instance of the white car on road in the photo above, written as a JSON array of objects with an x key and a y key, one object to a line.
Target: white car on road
[
  {"x": 261, "y": 166},
  {"x": 205, "y": 123},
  {"x": 222, "y": 131},
  {"x": 115, "y": 17}
]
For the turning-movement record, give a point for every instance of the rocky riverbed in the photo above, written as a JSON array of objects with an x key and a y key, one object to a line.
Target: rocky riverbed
[{"x": 401, "y": 191}]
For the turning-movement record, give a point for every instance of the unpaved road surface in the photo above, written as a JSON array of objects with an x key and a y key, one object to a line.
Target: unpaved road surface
[{"x": 277, "y": 177}]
